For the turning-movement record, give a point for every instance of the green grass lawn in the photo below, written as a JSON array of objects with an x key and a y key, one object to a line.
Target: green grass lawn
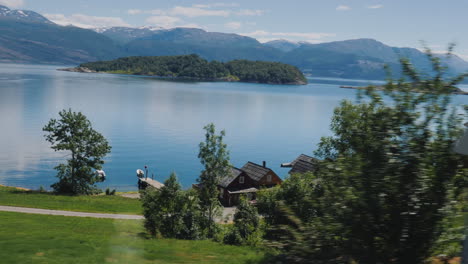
[
  {"x": 95, "y": 204},
  {"x": 28, "y": 238}
]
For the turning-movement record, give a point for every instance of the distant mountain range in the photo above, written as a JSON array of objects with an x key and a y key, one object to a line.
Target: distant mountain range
[
  {"x": 123, "y": 35},
  {"x": 28, "y": 37},
  {"x": 22, "y": 15}
]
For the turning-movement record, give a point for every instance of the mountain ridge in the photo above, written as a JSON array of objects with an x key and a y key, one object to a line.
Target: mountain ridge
[
  {"x": 26, "y": 36},
  {"x": 22, "y": 15}
]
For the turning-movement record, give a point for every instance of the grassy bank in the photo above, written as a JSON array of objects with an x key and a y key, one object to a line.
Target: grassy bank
[
  {"x": 94, "y": 204},
  {"x": 27, "y": 238}
]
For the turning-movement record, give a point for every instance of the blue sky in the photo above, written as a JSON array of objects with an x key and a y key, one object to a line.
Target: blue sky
[{"x": 402, "y": 23}]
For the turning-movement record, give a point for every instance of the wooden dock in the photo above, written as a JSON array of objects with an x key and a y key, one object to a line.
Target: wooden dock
[{"x": 144, "y": 183}]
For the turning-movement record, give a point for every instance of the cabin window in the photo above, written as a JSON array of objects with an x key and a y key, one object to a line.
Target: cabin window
[
  {"x": 241, "y": 179},
  {"x": 268, "y": 178},
  {"x": 221, "y": 192}
]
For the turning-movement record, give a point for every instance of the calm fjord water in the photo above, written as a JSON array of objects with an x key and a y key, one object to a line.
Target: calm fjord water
[{"x": 158, "y": 123}]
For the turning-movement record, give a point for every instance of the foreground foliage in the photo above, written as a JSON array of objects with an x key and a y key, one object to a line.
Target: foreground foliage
[
  {"x": 193, "y": 66},
  {"x": 388, "y": 179},
  {"x": 247, "y": 229},
  {"x": 172, "y": 213},
  {"x": 214, "y": 157},
  {"x": 86, "y": 147},
  {"x": 26, "y": 238}
]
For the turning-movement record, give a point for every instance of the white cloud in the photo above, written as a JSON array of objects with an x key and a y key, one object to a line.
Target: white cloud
[
  {"x": 216, "y": 5},
  {"x": 264, "y": 36},
  {"x": 12, "y": 3},
  {"x": 202, "y": 6},
  {"x": 311, "y": 35},
  {"x": 193, "y": 11},
  {"x": 343, "y": 8},
  {"x": 250, "y": 12},
  {"x": 134, "y": 11},
  {"x": 200, "y": 10},
  {"x": 85, "y": 21},
  {"x": 303, "y": 35},
  {"x": 191, "y": 25},
  {"x": 225, "y": 4},
  {"x": 375, "y": 6},
  {"x": 163, "y": 21},
  {"x": 158, "y": 12},
  {"x": 197, "y": 12},
  {"x": 233, "y": 25},
  {"x": 257, "y": 33}
]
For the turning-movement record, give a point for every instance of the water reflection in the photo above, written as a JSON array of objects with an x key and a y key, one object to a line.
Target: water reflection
[{"x": 156, "y": 123}]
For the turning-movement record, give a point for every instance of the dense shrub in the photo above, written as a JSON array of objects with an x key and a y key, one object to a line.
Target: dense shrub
[
  {"x": 246, "y": 229},
  {"x": 172, "y": 213}
]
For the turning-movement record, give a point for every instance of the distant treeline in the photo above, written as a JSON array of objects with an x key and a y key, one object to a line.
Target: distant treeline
[{"x": 193, "y": 66}]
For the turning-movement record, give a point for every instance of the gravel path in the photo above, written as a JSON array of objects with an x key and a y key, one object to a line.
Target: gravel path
[
  {"x": 227, "y": 217},
  {"x": 67, "y": 213}
]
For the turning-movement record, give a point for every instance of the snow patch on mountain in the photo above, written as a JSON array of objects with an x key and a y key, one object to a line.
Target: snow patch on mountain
[{"x": 22, "y": 15}]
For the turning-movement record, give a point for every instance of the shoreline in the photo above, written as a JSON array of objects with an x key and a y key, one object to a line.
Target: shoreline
[
  {"x": 381, "y": 88},
  {"x": 37, "y": 190}
]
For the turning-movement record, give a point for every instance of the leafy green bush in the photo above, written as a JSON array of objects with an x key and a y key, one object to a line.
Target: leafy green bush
[
  {"x": 172, "y": 213},
  {"x": 246, "y": 229}
]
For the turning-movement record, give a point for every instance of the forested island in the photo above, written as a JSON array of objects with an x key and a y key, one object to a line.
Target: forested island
[{"x": 194, "y": 67}]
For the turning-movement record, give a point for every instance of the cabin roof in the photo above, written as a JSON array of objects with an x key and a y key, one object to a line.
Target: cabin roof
[
  {"x": 254, "y": 171},
  {"x": 304, "y": 157},
  {"x": 226, "y": 180},
  {"x": 302, "y": 166}
]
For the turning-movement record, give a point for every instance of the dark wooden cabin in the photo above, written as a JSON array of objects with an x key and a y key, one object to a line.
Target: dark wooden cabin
[
  {"x": 246, "y": 181},
  {"x": 261, "y": 175}
]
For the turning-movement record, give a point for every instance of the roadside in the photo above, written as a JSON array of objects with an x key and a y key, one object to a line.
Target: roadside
[
  {"x": 227, "y": 216},
  {"x": 111, "y": 204},
  {"x": 67, "y": 213},
  {"x": 99, "y": 206}
]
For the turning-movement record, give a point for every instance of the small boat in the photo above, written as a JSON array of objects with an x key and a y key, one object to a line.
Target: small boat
[
  {"x": 101, "y": 174},
  {"x": 140, "y": 173}
]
